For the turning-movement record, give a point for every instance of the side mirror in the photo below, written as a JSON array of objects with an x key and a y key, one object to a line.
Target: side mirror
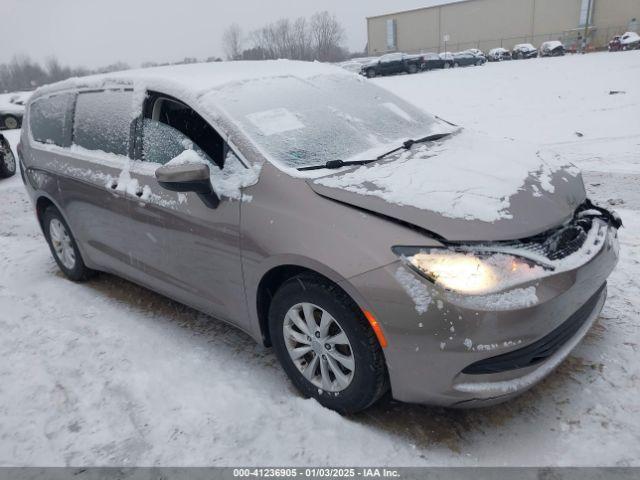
[{"x": 189, "y": 177}]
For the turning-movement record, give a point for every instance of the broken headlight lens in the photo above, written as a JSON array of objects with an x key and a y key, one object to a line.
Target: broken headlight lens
[{"x": 470, "y": 272}]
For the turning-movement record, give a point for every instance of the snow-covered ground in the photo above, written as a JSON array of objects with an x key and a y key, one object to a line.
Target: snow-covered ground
[{"x": 108, "y": 373}]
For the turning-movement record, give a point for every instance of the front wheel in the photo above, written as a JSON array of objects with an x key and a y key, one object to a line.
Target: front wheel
[
  {"x": 325, "y": 345},
  {"x": 371, "y": 73},
  {"x": 412, "y": 69},
  {"x": 63, "y": 246}
]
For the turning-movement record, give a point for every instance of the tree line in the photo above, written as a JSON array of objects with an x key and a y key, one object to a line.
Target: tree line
[
  {"x": 321, "y": 37},
  {"x": 22, "y": 73}
]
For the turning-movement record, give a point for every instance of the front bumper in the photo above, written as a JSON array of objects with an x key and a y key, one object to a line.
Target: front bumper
[{"x": 428, "y": 350}]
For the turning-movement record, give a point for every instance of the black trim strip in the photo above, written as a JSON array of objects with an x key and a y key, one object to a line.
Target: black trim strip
[{"x": 539, "y": 351}]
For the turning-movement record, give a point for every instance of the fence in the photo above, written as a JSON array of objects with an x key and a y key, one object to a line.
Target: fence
[{"x": 597, "y": 39}]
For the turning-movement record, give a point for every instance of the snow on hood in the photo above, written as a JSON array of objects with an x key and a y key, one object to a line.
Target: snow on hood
[{"x": 467, "y": 176}]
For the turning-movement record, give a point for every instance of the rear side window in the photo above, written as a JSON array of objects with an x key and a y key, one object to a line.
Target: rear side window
[
  {"x": 51, "y": 118},
  {"x": 103, "y": 121}
]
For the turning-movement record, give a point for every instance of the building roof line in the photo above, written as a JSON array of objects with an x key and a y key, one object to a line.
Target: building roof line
[{"x": 444, "y": 3}]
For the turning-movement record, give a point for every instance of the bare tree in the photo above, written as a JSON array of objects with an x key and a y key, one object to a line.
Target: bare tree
[
  {"x": 320, "y": 38},
  {"x": 328, "y": 36},
  {"x": 232, "y": 42}
]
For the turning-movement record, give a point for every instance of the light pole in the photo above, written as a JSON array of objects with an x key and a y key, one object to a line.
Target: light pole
[{"x": 586, "y": 28}]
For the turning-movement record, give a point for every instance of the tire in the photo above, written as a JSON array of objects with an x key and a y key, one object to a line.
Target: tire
[
  {"x": 412, "y": 69},
  {"x": 456, "y": 65},
  {"x": 9, "y": 122},
  {"x": 371, "y": 73},
  {"x": 7, "y": 161},
  {"x": 368, "y": 379},
  {"x": 60, "y": 238}
]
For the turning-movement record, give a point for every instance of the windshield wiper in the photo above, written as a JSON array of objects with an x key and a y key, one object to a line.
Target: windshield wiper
[
  {"x": 335, "y": 164},
  {"x": 410, "y": 143}
]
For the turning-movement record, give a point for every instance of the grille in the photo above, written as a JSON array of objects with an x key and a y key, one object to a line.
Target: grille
[
  {"x": 542, "y": 349},
  {"x": 559, "y": 243}
]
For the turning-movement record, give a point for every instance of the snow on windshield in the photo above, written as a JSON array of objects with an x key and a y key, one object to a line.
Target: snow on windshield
[{"x": 300, "y": 122}]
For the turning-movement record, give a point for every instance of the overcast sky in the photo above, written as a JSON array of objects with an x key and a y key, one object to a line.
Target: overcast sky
[{"x": 95, "y": 33}]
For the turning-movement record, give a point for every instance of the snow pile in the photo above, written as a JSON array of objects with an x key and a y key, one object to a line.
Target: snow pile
[
  {"x": 515, "y": 299},
  {"x": 417, "y": 290},
  {"x": 187, "y": 157},
  {"x": 467, "y": 175}
]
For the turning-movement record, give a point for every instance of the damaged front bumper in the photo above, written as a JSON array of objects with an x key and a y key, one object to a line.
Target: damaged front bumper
[{"x": 451, "y": 350}]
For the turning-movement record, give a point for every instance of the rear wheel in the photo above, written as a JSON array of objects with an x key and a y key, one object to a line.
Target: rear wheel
[
  {"x": 325, "y": 344},
  {"x": 63, "y": 246},
  {"x": 412, "y": 69}
]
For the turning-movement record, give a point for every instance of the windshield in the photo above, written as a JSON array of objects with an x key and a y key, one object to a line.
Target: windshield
[{"x": 304, "y": 122}]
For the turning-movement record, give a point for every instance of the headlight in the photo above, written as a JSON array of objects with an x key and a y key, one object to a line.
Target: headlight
[{"x": 470, "y": 272}]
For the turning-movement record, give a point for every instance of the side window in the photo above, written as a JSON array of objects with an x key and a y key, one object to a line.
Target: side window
[
  {"x": 170, "y": 127},
  {"x": 103, "y": 121},
  {"x": 51, "y": 118},
  {"x": 162, "y": 143}
]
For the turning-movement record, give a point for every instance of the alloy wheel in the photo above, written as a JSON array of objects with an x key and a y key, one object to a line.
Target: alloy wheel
[
  {"x": 61, "y": 241},
  {"x": 318, "y": 347}
]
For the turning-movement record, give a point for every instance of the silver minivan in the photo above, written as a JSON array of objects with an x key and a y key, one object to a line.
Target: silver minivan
[{"x": 376, "y": 247}]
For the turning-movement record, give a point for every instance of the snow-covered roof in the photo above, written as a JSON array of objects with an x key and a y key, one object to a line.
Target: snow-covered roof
[{"x": 198, "y": 78}]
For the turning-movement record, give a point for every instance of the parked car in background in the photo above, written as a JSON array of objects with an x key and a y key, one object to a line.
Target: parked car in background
[
  {"x": 476, "y": 51},
  {"x": 433, "y": 61},
  {"x": 498, "y": 54},
  {"x": 12, "y": 109},
  {"x": 355, "y": 64},
  {"x": 7, "y": 160},
  {"x": 524, "y": 51},
  {"x": 466, "y": 59},
  {"x": 448, "y": 59},
  {"x": 391, "y": 64},
  {"x": 614, "y": 44},
  {"x": 553, "y": 48},
  {"x": 630, "y": 41}
]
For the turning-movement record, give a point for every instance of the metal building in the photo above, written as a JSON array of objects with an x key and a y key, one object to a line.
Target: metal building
[{"x": 485, "y": 24}]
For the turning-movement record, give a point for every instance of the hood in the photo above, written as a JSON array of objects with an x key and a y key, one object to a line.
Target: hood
[{"x": 466, "y": 187}]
